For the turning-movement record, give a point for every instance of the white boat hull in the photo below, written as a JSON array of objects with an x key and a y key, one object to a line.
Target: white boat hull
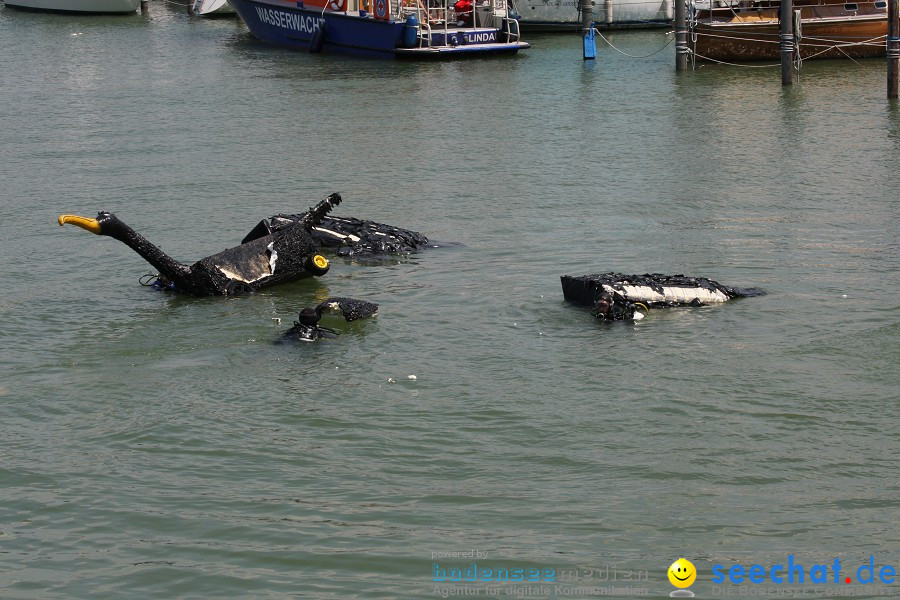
[
  {"x": 212, "y": 7},
  {"x": 77, "y": 6},
  {"x": 559, "y": 15}
]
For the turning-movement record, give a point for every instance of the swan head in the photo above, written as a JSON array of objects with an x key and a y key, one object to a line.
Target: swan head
[{"x": 106, "y": 223}]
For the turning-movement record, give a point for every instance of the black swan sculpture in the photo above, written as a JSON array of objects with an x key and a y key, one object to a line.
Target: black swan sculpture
[
  {"x": 620, "y": 297},
  {"x": 283, "y": 255},
  {"x": 307, "y": 328},
  {"x": 350, "y": 236}
]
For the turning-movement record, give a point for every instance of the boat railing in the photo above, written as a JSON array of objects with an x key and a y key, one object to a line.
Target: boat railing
[
  {"x": 496, "y": 13},
  {"x": 511, "y": 27},
  {"x": 431, "y": 17},
  {"x": 437, "y": 16},
  {"x": 500, "y": 16}
]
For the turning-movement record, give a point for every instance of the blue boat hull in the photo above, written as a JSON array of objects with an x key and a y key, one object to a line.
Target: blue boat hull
[
  {"x": 295, "y": 27},
  {"x": 339, "y": 33}
]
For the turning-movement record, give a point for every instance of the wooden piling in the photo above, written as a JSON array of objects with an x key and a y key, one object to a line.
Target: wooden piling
[
  {"x": 681, "y": 47},
  {"x": 787, "y": 42},
  {"x": 144, "y": 6},
  {"x": 893, "y": 47}
]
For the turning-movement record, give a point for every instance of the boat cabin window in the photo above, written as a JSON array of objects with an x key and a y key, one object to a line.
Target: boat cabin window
[
  {"x": 851, "y": 6},
  {"x": 880, "y": 4}
]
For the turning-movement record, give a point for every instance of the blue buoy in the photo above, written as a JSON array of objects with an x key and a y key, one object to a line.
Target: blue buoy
[
  {"x": 411, "y": 31},
  {"x": 590, "y": 44}
]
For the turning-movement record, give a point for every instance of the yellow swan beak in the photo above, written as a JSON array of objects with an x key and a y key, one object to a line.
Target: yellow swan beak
[{"x": 85, "y": 223}]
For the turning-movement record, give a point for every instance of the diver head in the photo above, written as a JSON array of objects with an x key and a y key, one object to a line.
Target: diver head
[
  {"x": 309, "y": 317},
  {"x": 603, "y": 304}
]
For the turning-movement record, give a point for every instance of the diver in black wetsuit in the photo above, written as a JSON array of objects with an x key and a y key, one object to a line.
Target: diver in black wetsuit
[
  {"x": 613, "y": 307},
  {"x": 307, "y": 329}
]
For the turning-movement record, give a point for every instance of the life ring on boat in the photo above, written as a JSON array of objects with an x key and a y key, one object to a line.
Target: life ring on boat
[
  {"x": 383, "y": 9},
  {"x": 337, "y": 5}
]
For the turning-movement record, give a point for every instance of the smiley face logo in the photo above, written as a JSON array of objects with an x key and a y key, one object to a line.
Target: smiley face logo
[{"x": 682, "y": 573}]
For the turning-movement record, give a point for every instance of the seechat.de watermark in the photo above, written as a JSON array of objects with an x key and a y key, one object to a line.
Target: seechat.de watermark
[
  {"x": 792, "y": 571},
  {"x": 788, "y": 578}
]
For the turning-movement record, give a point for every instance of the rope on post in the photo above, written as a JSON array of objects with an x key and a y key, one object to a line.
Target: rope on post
[
  {"x": 893, "y": 47},
  {"x": 620, "y": 51}
]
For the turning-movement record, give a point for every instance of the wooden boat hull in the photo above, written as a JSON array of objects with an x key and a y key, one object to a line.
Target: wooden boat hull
[{"x": 825, "y": 32}]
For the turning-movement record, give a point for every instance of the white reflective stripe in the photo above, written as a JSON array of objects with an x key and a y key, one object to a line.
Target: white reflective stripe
[
  {"x": 273, "y": 256},
  {"x": 233, "y": 275},
  {"x": 340, "y": 236},
  {"x": 682, "y": 295}
]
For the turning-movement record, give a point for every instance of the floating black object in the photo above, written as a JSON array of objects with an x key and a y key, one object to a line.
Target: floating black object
[
  {"x": 350, "y": 308},
  {"x": 284, "y": 255},
  {"x": 350, "y": 236},
  {"x": 616, "y": 296},
  {"x": 307, "y": 329}
]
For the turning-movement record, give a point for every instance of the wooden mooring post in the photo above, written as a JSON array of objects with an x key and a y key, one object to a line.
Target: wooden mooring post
[
  {"x": 893, "y": 47},
  {"x": 787, "y": 42},
  {"x": 681, "y": 47},
  {"x": 144, "y": 7}
]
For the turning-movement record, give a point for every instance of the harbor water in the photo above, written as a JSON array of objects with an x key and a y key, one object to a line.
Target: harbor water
[{"x": 160, "y": 446}]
